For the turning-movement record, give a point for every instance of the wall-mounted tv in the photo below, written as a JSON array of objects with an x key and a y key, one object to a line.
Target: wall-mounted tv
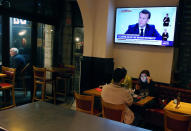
[{"x": 145, "y": 25}]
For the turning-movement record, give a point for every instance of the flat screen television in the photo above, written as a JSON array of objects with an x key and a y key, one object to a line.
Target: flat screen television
[{"x": 145, "y": 25}]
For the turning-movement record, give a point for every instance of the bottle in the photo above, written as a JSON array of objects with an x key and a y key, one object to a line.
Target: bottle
[{"x": 178, "y": 100}]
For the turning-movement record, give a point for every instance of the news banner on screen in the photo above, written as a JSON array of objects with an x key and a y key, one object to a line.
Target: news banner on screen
[{"x": 146, "y": 25}]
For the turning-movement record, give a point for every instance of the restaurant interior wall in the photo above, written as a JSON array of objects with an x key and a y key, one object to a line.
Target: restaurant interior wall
[
  {"x": 135, "y": 58},
  {"x": 97, "y": 63},
  {"x": 158, "y": 60}
]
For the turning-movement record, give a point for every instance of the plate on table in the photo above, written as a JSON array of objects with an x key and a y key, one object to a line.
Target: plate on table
[{"x": 135, "y": 95}]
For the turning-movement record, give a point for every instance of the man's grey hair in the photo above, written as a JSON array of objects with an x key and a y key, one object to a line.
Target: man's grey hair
[{"x": 15, "y": 50}]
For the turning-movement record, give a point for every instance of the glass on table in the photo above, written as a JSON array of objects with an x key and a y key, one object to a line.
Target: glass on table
[{"x": 146, "y": 92}]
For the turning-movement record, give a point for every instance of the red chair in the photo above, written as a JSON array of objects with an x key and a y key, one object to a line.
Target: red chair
[
  {"x": 176, "y": 122},
  {"x": 8, "y": 83},
  {"x": 85, "y": 104}
]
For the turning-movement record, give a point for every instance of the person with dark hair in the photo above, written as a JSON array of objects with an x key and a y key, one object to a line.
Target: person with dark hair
[
  {"x": 115, "y": 94},
  {"x": 145, "y": 83},
  {"x": 166, "y": 20},
  {"x": 142, "y": 27}
]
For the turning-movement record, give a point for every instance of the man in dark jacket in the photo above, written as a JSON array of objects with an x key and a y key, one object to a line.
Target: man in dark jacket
[
  {"x": 143, "y": 28},
  {"x": 17, "y": 60}
]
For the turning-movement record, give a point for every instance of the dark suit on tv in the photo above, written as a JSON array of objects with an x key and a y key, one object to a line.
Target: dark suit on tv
[
  {"x": 164, "y": 36},
  {"x": 150, "y": 31},
  {"x": 166, "y": 21}
]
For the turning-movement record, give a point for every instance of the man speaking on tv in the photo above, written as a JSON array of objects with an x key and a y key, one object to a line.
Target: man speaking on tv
[{"x": 142, "y": 28}]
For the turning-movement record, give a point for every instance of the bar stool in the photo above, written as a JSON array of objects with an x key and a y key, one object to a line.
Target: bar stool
[
  {"x": 66, "y": 75},
  {"x": 40, "y": 81}
]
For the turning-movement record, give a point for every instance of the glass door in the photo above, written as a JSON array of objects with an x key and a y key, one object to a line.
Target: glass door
[{"x": 20, "y": 38}]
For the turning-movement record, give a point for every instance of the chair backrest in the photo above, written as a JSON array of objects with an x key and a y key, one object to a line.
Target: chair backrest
[
  {"x": 23, "y": 71},
  {"x": 39, "y": 74},
  {"x": 10, "y": 72},
  {"x": 84, "y": 103},
  {"x": 176, "y": 122},
  {"x": 113, "y": 111}
]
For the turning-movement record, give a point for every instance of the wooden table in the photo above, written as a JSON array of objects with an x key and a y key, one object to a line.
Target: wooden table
[
  {"x": 3, "y": 75},
  {"x": 65, "y": 74},
  {"x": 92, "y": 92},
  {"x": 142, "y": 102},
  {"x": 184, "y": 108},
  {"x": 42, "y": 116},
  {"x": 56, "y": 69}
]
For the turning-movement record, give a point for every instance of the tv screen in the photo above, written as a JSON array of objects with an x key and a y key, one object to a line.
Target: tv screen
[{"x": 145, "y": 25}]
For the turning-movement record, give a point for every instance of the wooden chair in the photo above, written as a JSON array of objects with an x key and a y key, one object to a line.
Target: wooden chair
[
  {"x": 8, "y": 83},
  {"x": 85, "y": 103},
  {"x": 40, "y": 81},
  {"x": 23, "y": 76},
  {"x": 176, "y": 122},
  {"x": 113, "y": 111}
]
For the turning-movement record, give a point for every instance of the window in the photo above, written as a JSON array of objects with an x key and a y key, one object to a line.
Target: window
[{"x": 20, "y": 37}]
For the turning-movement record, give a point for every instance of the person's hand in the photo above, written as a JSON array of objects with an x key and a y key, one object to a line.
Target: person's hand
[
  {"x": 148, "y": 79},
  {"x": 137, "y": 87}
]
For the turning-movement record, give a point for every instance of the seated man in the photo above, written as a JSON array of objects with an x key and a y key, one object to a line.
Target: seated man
[
  {"x": 115, "y": 94},
  {"x": 127, "y": 83},
  {"x": 17, "y": 60}
]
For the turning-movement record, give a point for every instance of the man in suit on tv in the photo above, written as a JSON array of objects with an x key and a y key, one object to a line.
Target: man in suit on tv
[
  {"x": 142, "y": 28},
  {"x": 166, "y": 20}
]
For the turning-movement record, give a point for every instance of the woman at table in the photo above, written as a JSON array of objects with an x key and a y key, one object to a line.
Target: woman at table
[
  {"x": 115, "y": 94},
  {"x": 145, "y": 84}
]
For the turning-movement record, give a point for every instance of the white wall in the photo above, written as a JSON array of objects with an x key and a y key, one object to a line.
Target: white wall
[
  {"x": 98, "y": 18},
  {"x": 87, "y": 8},
  {"x": 158, "y": 60}
]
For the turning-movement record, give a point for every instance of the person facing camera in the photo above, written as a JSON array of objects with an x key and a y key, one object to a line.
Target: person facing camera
[
  {"x": 145, "y": 83},
  {"x": 115, "y": 94}
]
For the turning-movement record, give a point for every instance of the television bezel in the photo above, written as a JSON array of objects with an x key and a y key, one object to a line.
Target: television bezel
[{"x": 175, "y": 29}]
